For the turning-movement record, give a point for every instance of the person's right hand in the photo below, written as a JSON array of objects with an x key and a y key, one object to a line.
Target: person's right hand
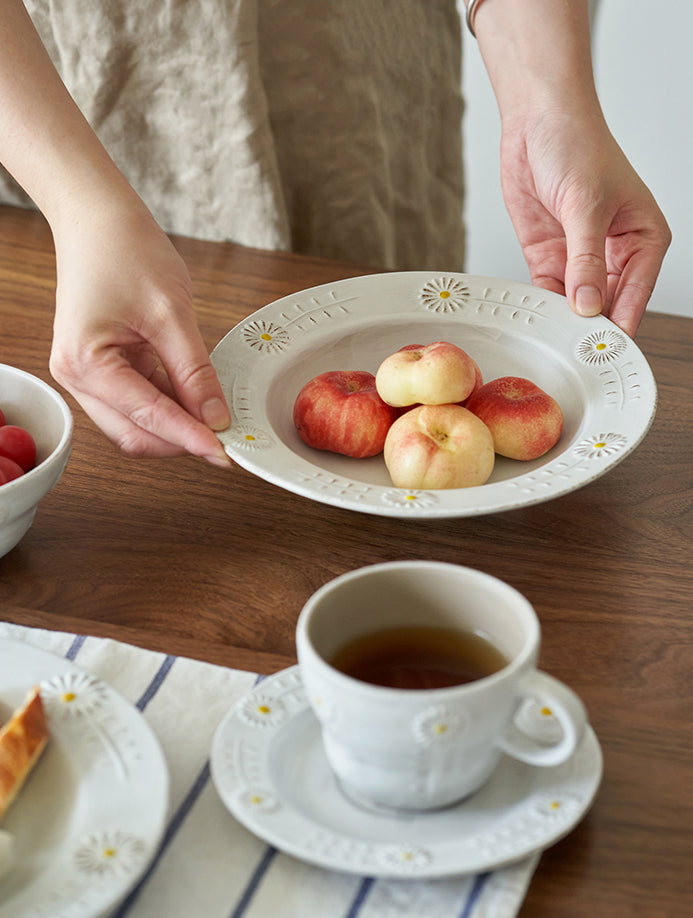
[{"x": 126, "y": 343}]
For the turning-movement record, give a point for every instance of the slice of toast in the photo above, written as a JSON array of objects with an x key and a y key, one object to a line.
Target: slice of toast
[{"x": 22, "y": 740}]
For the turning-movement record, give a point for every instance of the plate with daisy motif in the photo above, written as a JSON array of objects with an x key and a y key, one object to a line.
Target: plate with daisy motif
[
  {"x": 271, "y": 772},
  {"x": 90, "y": 816},
  {"x": 596, "y": 373}
]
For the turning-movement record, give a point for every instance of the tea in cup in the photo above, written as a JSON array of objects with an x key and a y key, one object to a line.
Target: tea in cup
[{"x": 420, "y": 674}]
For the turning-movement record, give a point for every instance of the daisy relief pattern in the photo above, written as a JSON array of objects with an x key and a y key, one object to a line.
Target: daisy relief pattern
[
  {"x": 73, "y": 695},
  {"x": 324, "y": 708},
  {"x": 549, "y": 807},
  {"x": 112, "y": 853},
  {"x": 404, "y": 858},
  {"x": 601, "y": 347},
  {"x": 600, "y": 445},
  {"x": 259, "y": 800},
  {"x": 437, "y": 725},
  {"x": 444, "y": 294},
  {"x": 262, "y": 711},
  {"x": 249, "y": 438},
  {"x": 409, "y": 500},
  {"x": 83, "y": 700},
  {"x": 265, "y": 337},
  {"x": 538, "y": 720}
]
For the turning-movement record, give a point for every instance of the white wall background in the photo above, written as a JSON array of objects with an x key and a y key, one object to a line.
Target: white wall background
[{"x": 644, "y": 71}]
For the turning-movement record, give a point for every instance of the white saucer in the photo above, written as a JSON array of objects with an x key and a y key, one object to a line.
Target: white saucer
[{"x": 270, "y": 771}]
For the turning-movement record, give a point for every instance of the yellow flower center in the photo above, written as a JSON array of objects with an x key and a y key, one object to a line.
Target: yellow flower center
[
  {"x": 599, "y": 445},
  {"x": 555, "y": 805},
  {"x": 249, "y": 437},
  {"x": 256, "y": 799},
  {"x": 68, "y": 696},
  {"x": 440, "y": 728},
  {"x": 410, "y": 497},
  {"x": 266, "y": 337},
  {"x": 546, "y": 712},
  {"x": 601, "y": 346},
  {"x": 109, "y": 852},
  {"x": 444, "y": 294},
  {"x": 263, "y": 709}
]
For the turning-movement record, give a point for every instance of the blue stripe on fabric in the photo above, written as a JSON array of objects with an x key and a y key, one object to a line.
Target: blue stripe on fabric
[
  {"x": 174, "y": 825},
  {"x": 156, "y": 682},
  {"x": 183, "y": 810},
  {"x": 76, "y": 646},
  {"x": 360, "y": 897},
  {"x": 263, "y": 864},
  {"x": 474, "y": 895},
  {"x": 254, "y": 882}
]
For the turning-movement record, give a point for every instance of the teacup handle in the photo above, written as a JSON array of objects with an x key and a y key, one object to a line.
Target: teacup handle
[{"x": 554, "y": 700}]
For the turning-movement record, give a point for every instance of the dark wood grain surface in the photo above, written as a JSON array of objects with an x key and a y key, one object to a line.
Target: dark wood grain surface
[{"x": 182, "y": 557}]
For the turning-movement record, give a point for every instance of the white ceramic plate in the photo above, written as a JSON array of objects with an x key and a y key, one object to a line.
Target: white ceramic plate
[
  {"x": 270, "y": 771},
  {"x": 91, "y": 815},
  {"x": 596, "y": 373}
]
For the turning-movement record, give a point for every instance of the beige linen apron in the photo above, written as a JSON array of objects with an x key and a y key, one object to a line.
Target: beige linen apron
[{"x": 330, "y": 127}]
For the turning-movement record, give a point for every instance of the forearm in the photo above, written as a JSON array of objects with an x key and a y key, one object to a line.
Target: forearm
[
  {"x": 45, "y": 141},
  {"x": 587, "y": 224},
  {"x": 538, "y": 57}
]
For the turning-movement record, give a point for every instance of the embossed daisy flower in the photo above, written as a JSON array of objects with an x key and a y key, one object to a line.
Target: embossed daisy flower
[
  {"x": 556, "y": 806},
  {"x": 409, "y": 500},
  {"x": 262, "y": 711},
  {"x": 249, "y": 438},
  {"x": 539, "y": 721},
  {"x": 437, "y": 725},
  {"x": 324, "y": 708},
  {"x": 259, "y": 799},
  {"x": 405, "y": 858},
  {"x": 73, "y": 695},
  {"x": 265, "y": 337},
  {"x": 109, "y": 852},
  {"x": 601, "y": 347},
  {"x": 444, "y": 294},
  {"x": 601, "y": 445}
]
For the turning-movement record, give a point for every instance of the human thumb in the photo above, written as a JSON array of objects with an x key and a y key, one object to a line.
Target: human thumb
[
  {"x": 190, "y": 371},
  {"x": 585, "y": 273}
]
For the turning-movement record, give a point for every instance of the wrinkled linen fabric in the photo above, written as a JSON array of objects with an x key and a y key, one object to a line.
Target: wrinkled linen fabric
[{"x": 329, "y": 127}]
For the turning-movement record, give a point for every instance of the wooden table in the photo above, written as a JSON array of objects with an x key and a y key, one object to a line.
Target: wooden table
[{"x": 182, "y": 557}]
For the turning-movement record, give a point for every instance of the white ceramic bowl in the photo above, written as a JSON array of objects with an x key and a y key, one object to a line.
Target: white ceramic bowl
[{"x": 30, "y": 403}]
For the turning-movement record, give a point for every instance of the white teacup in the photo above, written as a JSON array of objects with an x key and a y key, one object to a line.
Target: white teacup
[{"x": 425, "y": 748}]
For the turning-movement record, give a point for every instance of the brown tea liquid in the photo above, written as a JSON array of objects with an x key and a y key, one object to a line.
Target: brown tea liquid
[{"x": 419, "y": 657}]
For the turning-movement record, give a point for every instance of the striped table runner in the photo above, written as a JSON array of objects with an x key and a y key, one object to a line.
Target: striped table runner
[{"x": 208, "y": 865}]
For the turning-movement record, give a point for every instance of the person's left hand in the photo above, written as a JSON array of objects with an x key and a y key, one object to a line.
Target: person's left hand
[{"x": 588, "y": 226}]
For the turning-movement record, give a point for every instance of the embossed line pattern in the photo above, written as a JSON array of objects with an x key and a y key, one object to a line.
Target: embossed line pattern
[
  {"x": 272, "y": 337},
  {"x": 141, "y": 704}
]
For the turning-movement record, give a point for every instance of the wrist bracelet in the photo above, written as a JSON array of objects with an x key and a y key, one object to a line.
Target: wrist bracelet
[{"x": 472, "y": 7}]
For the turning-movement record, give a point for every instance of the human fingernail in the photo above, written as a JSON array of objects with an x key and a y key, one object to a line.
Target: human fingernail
[
  {"x": 223, "y": 461},
  {"x": 215, "y": 414},
  {"x": 588, "y": 301}
]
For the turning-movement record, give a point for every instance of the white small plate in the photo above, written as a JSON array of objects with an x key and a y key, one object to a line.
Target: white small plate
[
  {"x": 91, "y": 814},
  {"x": 270, "y": 771},
  {"x": 597, "y": 374}
]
